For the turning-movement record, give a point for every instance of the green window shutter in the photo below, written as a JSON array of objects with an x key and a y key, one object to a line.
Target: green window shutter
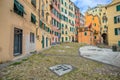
[
  {"x": 62, "y": 10},
  {"x": 116, "y": 31},
  {"x": 85, "y": 33},
  {"x": 62, "y": 25},
  {"x": 18, "y": 8},
  {"x": 44, "y": 26},
  {"x": 62, "y": 32},
  {"x": 33, "y": 2},
  {"x": 33, "y": 18},
  {"x": 66, "y": 38},
  {"x": 115, "y": 19},
  {"x": 66, "y": 32},
  {"x": 118, "y": 7},
  {"x": 41, "y": 23},
  {"x": 48, "y": 29},
  {"x": 94, "y": 37},
  {"x": 119, "y": 43}
]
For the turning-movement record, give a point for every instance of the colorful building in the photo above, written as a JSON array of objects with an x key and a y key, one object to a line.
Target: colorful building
[
  {"x": 64, "y": 20},
  {"x": 68, "y": 29},
  {"x": 100, "y": 11},
  {"x": 33, "y": 25},
  {"x": 56, "y": 26},
  {"x": 82, "y": 20},
  {"x": 113, "y": 13},
  {"x": 71, "y": 21},
  {"x": 77, "y": 22},
  {"x": 43, "y": 31},
  {"x": 25, "y": 29},
  {"x": 85, "y": 35},
  {"x": 91, "y": 31},
  {"x": 18, "y": 28}
]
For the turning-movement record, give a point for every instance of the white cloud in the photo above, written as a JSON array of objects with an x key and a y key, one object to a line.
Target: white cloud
[{"x": 84, "y": 4}]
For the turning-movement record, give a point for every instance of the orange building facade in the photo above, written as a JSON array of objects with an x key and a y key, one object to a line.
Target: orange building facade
[{"x": 90, "y": 34}]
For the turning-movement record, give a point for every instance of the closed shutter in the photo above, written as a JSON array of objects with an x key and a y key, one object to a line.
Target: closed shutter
[
  {"x": 33, "y": 18},
  {"x": 18, "y": 8},
  {"x": 115, "y": 19},
  {"x": 116, "y": 31},
  {"x": 33, "y": 2},
  {"x": 118, "y": 8},
  {"x": 44, "y": 26},
  {"x": 41, "y": 24},
  {"x": 119, "y": 43}
]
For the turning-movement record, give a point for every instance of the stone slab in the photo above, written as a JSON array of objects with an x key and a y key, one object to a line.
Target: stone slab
[{"x": 61, "y": 69}]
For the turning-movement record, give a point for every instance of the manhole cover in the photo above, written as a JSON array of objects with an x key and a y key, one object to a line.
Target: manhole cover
[{"x": 61, "y": 69}]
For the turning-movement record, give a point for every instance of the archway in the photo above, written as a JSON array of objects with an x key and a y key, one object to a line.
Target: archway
[{"x": 105, "y": 40}]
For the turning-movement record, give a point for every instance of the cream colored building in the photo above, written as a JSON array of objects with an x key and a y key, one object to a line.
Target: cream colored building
[
  {"x": 71, "y": 21},
  {"x": 100, "y": 11},
  {"x": 67, "y": 21},
  {"x": 113, "y": 13},
  {"x": 43, "y": 30},
  {"x": 64, "y": 21},
  {"x": 20, "y": 33}
]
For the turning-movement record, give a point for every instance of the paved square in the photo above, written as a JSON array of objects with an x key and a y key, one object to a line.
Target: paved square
[{"x": 61, "y": 69}]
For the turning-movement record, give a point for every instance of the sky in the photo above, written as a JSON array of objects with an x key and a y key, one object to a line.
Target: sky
[{"x": 84, "y": 4}]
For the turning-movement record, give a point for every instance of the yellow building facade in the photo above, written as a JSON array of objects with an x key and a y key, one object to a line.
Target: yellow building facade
[
  {"x": 113, "y": 13},
  {"x": 21, "y": 32},
  {"x": 43, "y": 31}
]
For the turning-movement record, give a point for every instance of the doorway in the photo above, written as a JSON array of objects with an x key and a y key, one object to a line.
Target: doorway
[
  {"x": 62, "y": 39},
  {"x": 104, "y": 35},
  {"x": 46, "y": 42},
  {"x": 17, "y": 41},
  {"x": 42, "y": 41}
]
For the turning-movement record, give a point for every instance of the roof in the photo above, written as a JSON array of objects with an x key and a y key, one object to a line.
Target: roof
[{"x": 113, "y": 3}]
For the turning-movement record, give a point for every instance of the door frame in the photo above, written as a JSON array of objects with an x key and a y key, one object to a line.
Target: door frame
[{"x": 18, "y": 32}]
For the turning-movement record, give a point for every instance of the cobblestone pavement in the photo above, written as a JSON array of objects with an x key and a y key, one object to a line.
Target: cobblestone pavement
[{"x": 36, "y": 67}]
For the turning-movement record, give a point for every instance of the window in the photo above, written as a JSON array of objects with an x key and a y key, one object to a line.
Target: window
[
  {"x": 33, "y": 2},
  {"x": 46, "y": 17},
  {"x": 41, "y": 24},
  {"x": 66, "y": 38},
  {"x": 65, "y": 4},
  {"x": 94, "y": 24},
  {"x": 94, "y": 37},
  {"x": 117, "y": 31},
  {"x": 65, "y": 11},
  {"x": 44, "y": 26},
  {"x": 119, "y": 43},
  {"x": 85, "y": 33},
  {"x": 118, "y": 7},
  {"x": 117, "y": 19},
  {"x": 104, "y": 19},
  {"x": 33, "y": 18},
  {"x": 18, "y": 8},
  {"x": 32, "y": 39},
  {"x": 62, "y": 1},
  {"x": 105, "y": 26},
  {"x": 42, "y": 13},
  {"x": 62, "y": 32},
  {"x": 66, "y": 32},
  {"x": 62, "y": 10}
]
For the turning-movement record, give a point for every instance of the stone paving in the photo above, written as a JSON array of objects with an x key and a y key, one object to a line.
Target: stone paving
[{"x": 101, "y": 54}]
